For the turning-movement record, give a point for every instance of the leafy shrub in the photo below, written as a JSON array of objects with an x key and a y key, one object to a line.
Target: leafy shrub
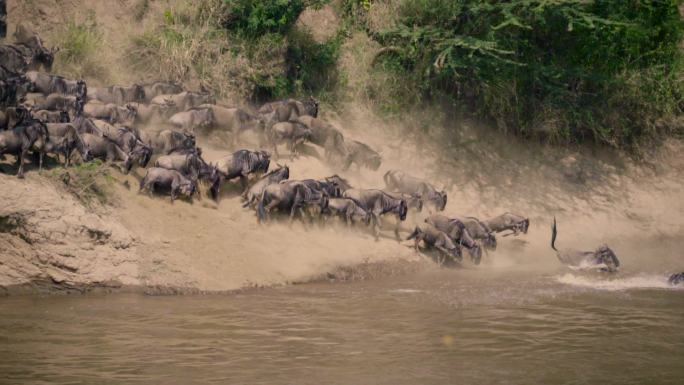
[{"x": 569, "y": 70}]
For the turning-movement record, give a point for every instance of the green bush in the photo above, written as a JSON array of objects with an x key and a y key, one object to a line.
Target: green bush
[{"x": 569, "y": 70}]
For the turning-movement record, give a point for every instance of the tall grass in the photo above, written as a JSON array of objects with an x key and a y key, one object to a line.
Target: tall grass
[
  {"x": 80, "y": 44},
  {"x": 239, "y": 49}
]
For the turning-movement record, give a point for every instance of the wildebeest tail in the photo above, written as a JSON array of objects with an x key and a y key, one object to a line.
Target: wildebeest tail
[{"x": 554, "y": 232}]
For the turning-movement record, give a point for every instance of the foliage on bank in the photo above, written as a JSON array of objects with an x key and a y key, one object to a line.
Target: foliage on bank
[{"x": 570, "y": 70}]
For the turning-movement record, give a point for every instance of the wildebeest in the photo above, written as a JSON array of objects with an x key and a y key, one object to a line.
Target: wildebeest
[
  {"x": 14, "y": 90},
  {"x": 152, "y": 113},
  {"x": 107, "y": 150},
  {"x": 24, "y": 57},
  {"x": 274, "y": 176},
  {"x": 676, "y": 278},
  {"x": 184, "y": 100},
  {"x": 34, "y": 50},
  {"x": 167, "y": 141},
  {"x": 361, "y": 154},
  {"x": 110, "y": 112},
  {"x": 194, "y": 167},
  {"x": 397, "y": 180},
  {"x": 289, "y": 197},
  {"x": 289, "y": 109},
  {"x": 118, "y": 95},
  {"x": 377, "y": 202},
  {"x": 188, "y": 164},
  {"x": 508, "y": 221},
  {"x": 22, "y": 138},
  {"x": 292, "y": 133},
  {"x": 340, "y": 182},
  {"x": 603, "y": 258},
  {"x": 413, "y": 201},
  {"x": 325, "y": 135},
  {"x": 201, "y": 119},
  {"x": 65, "y": 139},
  {"x": 458, "y": 233},
  {"x": 432, "y": 237},
  {"x": 127, "y": 140},
  {"x": 347, "y": 209},
  {"x": 242, "y": 163},
  {"x": 160, "y": 88},
  {"x": 86, "y": 126},
  {"x": 479, "y": 231},
  {"x": 54, "y": 102},
  {"x": 12, "y": 116},
  {"x": 163, "y": 180},
  {"x": 51, "y": 116},
  {"x": 48, "y": 84},
  {"x": 235, "y": 120}
]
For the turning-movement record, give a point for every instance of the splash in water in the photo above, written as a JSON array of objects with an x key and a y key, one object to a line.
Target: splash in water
[{"x": 642, "y": 281}]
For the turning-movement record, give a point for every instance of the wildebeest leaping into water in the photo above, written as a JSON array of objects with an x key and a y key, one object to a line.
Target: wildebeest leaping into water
[{"x": 603, "y": 258}]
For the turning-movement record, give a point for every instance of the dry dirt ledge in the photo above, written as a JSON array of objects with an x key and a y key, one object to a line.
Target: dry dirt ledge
[{"x": 50, "y": 243}]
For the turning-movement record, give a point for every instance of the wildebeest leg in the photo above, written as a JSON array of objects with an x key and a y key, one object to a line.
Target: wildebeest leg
[
  {"x": 243, "y": 183},
  {"x": 269, "y": 207},
  {"x": 443, "y": 253},
  {"x": 348, "y": 216},
  {"x": 20, "y": 173},
  {"x": 297, "y": 204}
]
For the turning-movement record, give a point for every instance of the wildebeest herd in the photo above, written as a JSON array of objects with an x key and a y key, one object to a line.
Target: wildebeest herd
[{"x": 132, "y": 126}]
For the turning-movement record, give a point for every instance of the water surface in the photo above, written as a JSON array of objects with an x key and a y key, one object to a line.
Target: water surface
[{"x": 465, "y": 326}]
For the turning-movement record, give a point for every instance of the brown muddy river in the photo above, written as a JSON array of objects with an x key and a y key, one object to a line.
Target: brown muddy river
[{"x": 470, "y": 326}]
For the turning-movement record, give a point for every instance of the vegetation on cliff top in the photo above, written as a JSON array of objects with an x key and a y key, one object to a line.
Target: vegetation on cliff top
[
  {"x": 567, "y": 71},
  {"x": 570, "y": 70}
]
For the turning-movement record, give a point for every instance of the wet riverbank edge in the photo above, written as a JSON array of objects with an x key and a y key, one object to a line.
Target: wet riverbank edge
[{"x": 364, "y": 271}]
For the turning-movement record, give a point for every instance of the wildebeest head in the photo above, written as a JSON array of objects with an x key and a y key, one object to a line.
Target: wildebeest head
[
  {"x": 84, "y": 150},
  {"x": 264, "y": 160},
  {"x": 81, "y": 89},
  {"x": 374, "y": 162},
  {"x": 138, "y": 93},
  {"x": 63, "y": 116},
  {"x": 403, "y": 209},
  {"x": 439, "y": 198},
  {"x": 131, "y": 112},
  {"x": 210, "y": 173},
  {"x": 475, "y": 254},
  {"x": 604, "y": 255},
  {"x": 311, "y": 106},
  {"x": 46, "y": 58},
  {"x": 187, "y": 187},
  {"x": 188, "y": 139},
  {"x": 342, "y": 183},
  {"x": 208, "y": 120},
  {"x": 524, "y": 225},
  {"x": 142, "y": 153},
  {"x": 676, "y": 278}
]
